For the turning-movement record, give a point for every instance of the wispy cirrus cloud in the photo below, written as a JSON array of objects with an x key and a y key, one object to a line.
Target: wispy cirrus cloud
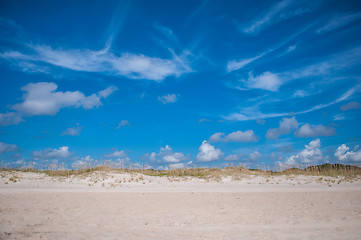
[
  {"x": 272, "y": 81},
  {"x": 134, "y": 66},
  {"x": 253, "y": 112},
  {"x": 283, "y": 10},
  {"x": 234, "y": 65},
  {"x": 339, "y": 21}
]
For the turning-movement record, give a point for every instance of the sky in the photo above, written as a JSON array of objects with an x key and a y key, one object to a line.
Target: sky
[{"x": 178, "y": 84}]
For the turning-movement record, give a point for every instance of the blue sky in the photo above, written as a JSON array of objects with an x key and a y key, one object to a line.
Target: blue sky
[{"x": 180, "y": 83}]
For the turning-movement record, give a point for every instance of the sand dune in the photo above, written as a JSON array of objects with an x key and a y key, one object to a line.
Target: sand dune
[{"x": 301, "y": 207}]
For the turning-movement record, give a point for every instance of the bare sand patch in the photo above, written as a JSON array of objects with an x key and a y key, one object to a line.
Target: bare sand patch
[{"x": 37, "y": 206}]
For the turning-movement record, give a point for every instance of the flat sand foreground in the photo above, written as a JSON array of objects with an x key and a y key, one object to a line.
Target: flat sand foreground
[{"x": 195, "y": 210}]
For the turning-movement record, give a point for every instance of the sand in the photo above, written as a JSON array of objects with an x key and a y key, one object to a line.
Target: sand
[{"x": 254, "y": 207}]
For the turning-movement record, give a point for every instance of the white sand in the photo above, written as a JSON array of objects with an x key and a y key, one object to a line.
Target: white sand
[{"x": 254, "y": 207}]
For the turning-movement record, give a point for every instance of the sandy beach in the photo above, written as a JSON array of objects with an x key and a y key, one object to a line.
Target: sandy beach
[{"x": 37, "y": 206}]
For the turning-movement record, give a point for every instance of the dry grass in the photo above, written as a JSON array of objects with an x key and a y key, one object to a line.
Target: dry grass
[{"x": 327, "y": 170}]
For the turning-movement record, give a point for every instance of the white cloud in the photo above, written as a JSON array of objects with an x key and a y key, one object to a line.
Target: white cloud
[
  {"x": 135, "y": 66},
  {"x": 217, "y": 137},
  {"x": 11, "y": 118},
  {"x": 117, "y": 154},
  {"x": 339, "y": 21},
  {"x": 87, "y": 158},
  {"x": 118, "y": 159},
  {"x": 169, "y": 98},
  {"x": 208, "y": 152},
  {"x": 285, "y": 127},
  {"x": 350, "y": 105},
  {"x": 267, "y": 81},
  {"x": 5, "y": 147},
  {"x": 43, "y": 99},
  {"x": 253, "y": 113},
  {"x": 49, "y": 153},
  {"x": 255, "y": 156},
  {"x": 283, "y": 10},
  {"x": 204, "y": 120},
  {"x": 167, "y": 155},
  {"x": 74, "y": 131},
  {"x": 310, "y": 155},
  {"x": 233, "y": 157},
  {"x": 234, "y": 65},
  {"x": 260, "y": 121},
  {"x": 339, "y": 117},
  {"x": 238, "y": 136},
  {"x": 107, "y": 92},
  {"x": 343, "y": 154},
  {"x": 315, "y": 131},
  {"x": 177, "y": 165},
  {"x": 123, "y": 123},
  {"x": 331, "y": 65}
]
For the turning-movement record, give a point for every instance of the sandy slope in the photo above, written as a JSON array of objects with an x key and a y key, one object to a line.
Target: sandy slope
[{"x": 44, "y": 208}]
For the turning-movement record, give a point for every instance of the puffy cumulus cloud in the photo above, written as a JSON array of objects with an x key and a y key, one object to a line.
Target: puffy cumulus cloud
[
  {"x": 310, "y": 155},
  {"x": 82, "y": 162},
  {"x": 118, "y": 159},
  {"x": 167, "y": 155},
  {"x": 123, "y": 123},
  {"x": 351, "y": 105},
  {"x": 286, "y": 126},
  {"x": 238, "y": 136},
  {"x": 217, "y": 137},
  {"x": 169, "y": 98},
  {"x": 74, "y": 131},
  {"x": 11, "y": 118},
  {"x": 315, "y": 131},
  {"x": 49, "y": 153},
  {"x": 134, "y": 66},
  {"x": 233, "y": 157},
  {"x": 43, "y": 99},
  {"x": 255, "y": 156},
  {"x": 116, "y": 154},
  {"x": 5, "y": 147},
  {"x": 343, "y": 154},
  {"x": 267, "y": 81},
  {"x": 208, "y": 153}
]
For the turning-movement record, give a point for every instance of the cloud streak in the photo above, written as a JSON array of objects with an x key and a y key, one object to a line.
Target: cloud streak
[
  {"x": 283, "y": 10},
  {"x": 339, "y": 21},
  {"x": 253, "y": 113},
  {"x": 134, "y": 66}
]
